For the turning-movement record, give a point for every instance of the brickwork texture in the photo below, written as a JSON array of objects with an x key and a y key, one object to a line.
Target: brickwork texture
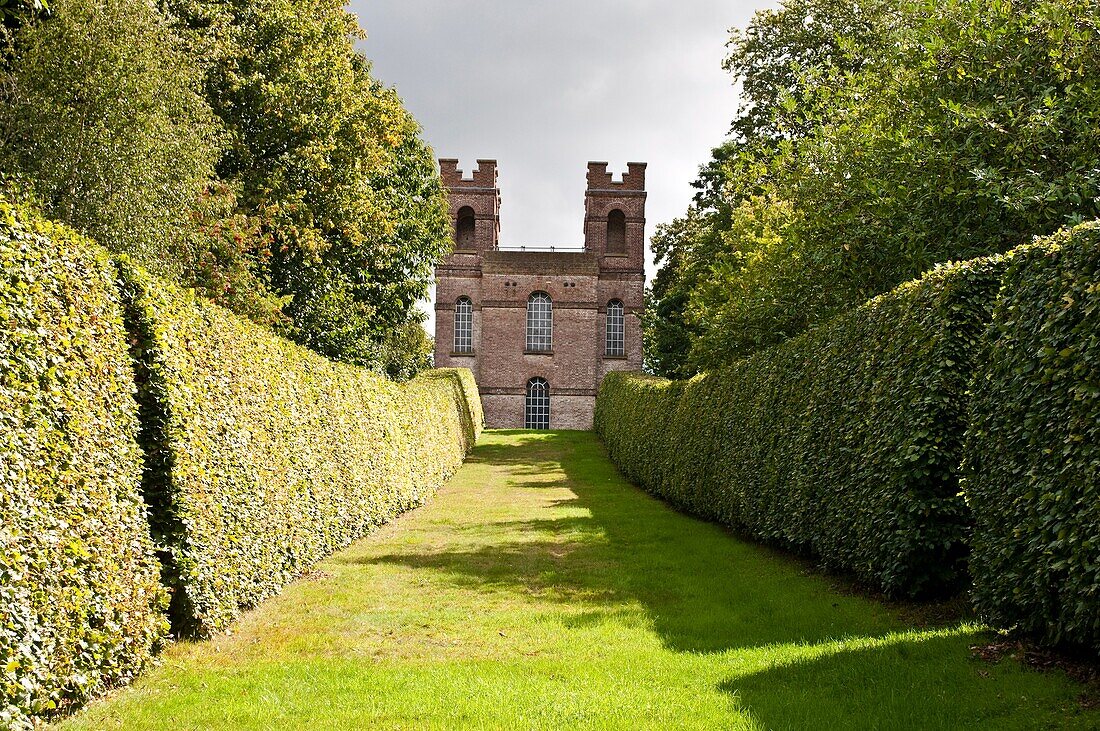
[{"x": 499, "y": 284}]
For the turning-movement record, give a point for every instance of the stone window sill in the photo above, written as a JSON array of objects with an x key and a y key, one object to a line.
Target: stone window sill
[
  {"x": 464, "y": 354},
  {"x": 614, "y": 357},
  {"x": 538, "y": 352}
]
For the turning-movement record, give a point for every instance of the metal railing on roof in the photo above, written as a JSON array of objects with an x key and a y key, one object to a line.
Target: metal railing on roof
[{"x": 541, "y": 248}]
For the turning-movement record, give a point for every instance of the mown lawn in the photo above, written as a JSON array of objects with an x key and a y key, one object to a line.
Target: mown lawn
[{"x": 540, "y": 590}]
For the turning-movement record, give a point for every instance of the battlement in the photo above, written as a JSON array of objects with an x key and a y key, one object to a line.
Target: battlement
[
  {"x": 600, "y": 179},
  {"x": 484, "y": 177},
  {"x": 537, "y": 321}
]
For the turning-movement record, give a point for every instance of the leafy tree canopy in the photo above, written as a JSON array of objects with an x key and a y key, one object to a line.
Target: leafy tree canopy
[
  {"x": 331, "y": 163},
  {"x": 102, "y": 117},
  {"x": 240, "y": 147},
  {"x": 876, "y": 139}
]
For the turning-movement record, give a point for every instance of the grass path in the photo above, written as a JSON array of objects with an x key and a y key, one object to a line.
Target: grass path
[{"x": 539, "y": 590}]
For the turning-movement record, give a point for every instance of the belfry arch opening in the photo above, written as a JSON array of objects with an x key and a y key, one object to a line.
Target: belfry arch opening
[
  {"x": 616, "y": 232},
  {"x": 465, "y": 227}
]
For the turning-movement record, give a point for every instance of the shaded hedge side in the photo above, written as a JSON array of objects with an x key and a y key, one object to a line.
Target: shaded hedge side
[
  {"x": 843, "y": 443},
  {"x": 1032, "y": 458},
  {"x": 267, "y": 457},
  {"x": 81, "y": 607}
]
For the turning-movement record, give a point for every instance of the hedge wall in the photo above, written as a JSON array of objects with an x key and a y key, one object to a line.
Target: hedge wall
[
  {"x": 843, "y": 443},
  {"x": 1032, "y": 458},
  {"x": 265, "y": 457},
  {"x": 81, "y": 608}
]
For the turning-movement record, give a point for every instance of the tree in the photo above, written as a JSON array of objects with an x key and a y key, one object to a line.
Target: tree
[
  {"x": 331, "y": 163},
  {"x": 926, "y": 132},
  {"x": 102, "y": 118}
]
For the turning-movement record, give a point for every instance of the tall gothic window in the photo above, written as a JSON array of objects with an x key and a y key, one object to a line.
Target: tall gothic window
[
  {"x": 537, "y": 407},
  {"x": 540, "y": 322},
  {"x": 464, "y": 325},
  {"x": 616, "y": 232},
  {"x": 614, "y": 342},
  {"x": 464, "y": 228}
]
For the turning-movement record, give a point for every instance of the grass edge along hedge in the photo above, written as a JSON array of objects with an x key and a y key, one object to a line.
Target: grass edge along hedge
[
  {"x": 1031, "y": 469},
  {"x": 843, "y": 443},
  {"x": 81, "y": 606},
  {"x": 264, "y": 457}
]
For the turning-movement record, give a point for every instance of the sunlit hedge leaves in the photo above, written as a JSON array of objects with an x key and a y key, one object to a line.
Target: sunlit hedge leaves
[
  {"x": 843, "y": 442},
  {"x": 260, "y": 458},
  {"x": 266, "y": 457},
  {"x": 1032, "y": 471},
  {"x": 81, "y": 608}
]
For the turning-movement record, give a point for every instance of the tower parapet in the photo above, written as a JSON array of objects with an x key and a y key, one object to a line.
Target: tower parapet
[
  {"x": 600, "y": 179},
  {"x": 614, "y": 216},
  {"x": 475, "y": 206}
]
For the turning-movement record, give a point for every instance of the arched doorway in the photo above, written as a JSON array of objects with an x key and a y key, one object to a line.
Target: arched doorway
[{"x": 537, "y": 407}]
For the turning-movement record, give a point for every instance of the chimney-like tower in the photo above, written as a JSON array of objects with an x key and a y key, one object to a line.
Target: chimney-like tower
[
  {"x": 475, "y": 206},
  {"x": 614, "y": 216}
]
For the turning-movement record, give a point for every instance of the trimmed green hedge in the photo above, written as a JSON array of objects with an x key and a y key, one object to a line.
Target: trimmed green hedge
[
  {"x": 842, "y": 443},
  {"x": 1032, "y": 459},
  {"x": 81, "y": 608},
  {"x": 265, "y": 457}
]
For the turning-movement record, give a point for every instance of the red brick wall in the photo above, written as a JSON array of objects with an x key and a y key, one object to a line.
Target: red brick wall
[{"x": 580, "y": 285}]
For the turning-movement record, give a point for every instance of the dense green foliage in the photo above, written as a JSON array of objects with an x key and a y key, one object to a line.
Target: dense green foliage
[
  {"x": 101, "y": 115},
  {"x": 80, "y": 601},
  {"x": 876, "y": 139},
  {"x": 14, "y": 12},
  {"x": 1032, "y": 458},
  {"x": 240, "y": 148},
  {"x": 330, "y": 162},
  {"x": 244, "y": 459},
  {"x": 265, "y": 457},
  {"x": 843, "y": 442}
]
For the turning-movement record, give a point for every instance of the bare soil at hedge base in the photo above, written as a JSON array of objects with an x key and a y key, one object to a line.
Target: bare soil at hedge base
[{"x": 540, "y": 590}]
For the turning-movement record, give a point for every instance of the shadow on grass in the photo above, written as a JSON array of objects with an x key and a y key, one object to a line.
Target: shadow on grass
[
  {"x": 905, "y": 681},
  {"x": 702, "y": 590},
  {"x": 807, "y": 656}
]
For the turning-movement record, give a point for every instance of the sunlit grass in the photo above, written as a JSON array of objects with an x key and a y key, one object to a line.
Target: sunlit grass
[{"x": 539, "y": 590}]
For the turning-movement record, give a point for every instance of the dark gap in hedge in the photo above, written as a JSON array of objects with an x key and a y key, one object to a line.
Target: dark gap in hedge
[{"x": 158, "y": 461}]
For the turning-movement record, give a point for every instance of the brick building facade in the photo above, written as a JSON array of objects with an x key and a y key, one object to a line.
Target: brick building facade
[{"x": 540, "y": 329}]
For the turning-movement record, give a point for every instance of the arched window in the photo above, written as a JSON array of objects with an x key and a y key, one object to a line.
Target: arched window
[
  {"x": 537, "y": 408},
  {"x": 464, "y": 325},
  {"x": 464, "y": 228},
  {"x": 614, "y": 342},
  {"x": 616, "y": 232},
  {"x": 540, "y": 322}
]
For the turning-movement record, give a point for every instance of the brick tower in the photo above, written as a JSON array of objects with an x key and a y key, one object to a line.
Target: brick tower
[{"x": 540, "y": 328}]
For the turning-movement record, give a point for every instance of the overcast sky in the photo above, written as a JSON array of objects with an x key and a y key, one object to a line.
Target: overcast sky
[{"x": 544, "y": 87}]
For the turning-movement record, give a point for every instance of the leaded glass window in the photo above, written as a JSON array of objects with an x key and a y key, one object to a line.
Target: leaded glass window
[
  {"x": 464, "y": 325},
  {"x": 540, "y": 322},
  {"x": 537, "y": 411},
  {"x": 614, "y": 343}
]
